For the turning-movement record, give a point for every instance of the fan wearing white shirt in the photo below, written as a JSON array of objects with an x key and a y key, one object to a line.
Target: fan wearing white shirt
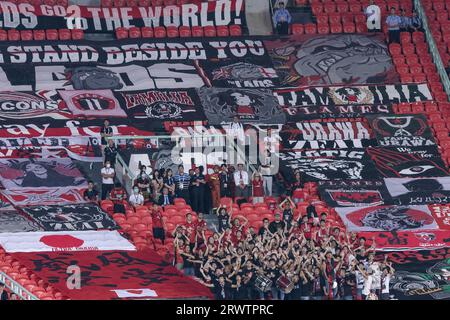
[
  {"x": 241, "y": 181},
  {"x": 107, "y": 174},
  {"x": 136, "y": 198},
  {"x": 236, "y": 130},
  {"x": 386, "y": 276},
  {"x": 271, "y": 141}
]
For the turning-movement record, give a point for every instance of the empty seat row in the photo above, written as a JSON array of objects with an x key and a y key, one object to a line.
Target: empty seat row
[
  {"x": 175, "y": 32},
  {"x": 50, "y": 34}
]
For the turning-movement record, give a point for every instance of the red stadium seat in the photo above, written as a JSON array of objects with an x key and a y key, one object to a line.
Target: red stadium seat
[
  {"x": 160, "y": 32},
  {"x": 197, "y": 31},
  {"x": 310, "y": 28},
  {"x": 121, "y": 33},
  {"x": 26, "y": 35},
  {"x": 106, "y": 3},
  {"x": 222, "y": 31},
  {"x": 132, "y": 3},
  {"x": 172, "y": 32},
  {"x": 334, "y": 18},
  {"x": 77, "y": 34},
  {"x": 322, "y": 19},
  {"x": 134, "y": 32},
  {"x": 336, "y": 28},
  {"x": 13, "y": 35},
  {"x": 51, "y": 34},
  {"x": 144, "y": 3},
  {"x": 323, "y": 29},
  {"x": 298, "y": 28},
  {"x": 3, "y": 35},
  {"x": 119, "y": 3},
  {"x": 185, "y": 31},
  {"x": 147, "y": 32},
  {"x": 210, "y": 31},
  {"x": 235, "y": 30},
  {"x": 64, "y": 34}
]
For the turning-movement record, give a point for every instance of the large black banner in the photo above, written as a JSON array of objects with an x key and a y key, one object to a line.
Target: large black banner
[
  {"x": 353, "y": 95},
  {"x": 402, "y": 130},
  {"x": 402, "y": 163},
  {"x": 106, "y": 19},
  {"x": 250, "y": 105},
  {"x": 71, "y": 217},
  {"x": 354, "y": 193},
  {"x": 317, "y": 165},
  {"x": 132, "y": 65},
  {"x": 326, "y": 135},
  {"x": 151, "y": 108},
  {"x": 421, "y": 275},
  {"x": 411, "y": 191}
]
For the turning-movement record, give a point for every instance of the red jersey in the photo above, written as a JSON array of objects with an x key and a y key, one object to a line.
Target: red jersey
[
  {"x": 258, "y": 190},
  {"x": 118, "y": 194},
  {"x": 156, "y": 218},
  {"x": 190, "y": 230}
]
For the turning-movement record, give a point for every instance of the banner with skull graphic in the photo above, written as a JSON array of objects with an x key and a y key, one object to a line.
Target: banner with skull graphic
[
  {"x": 334, "y": 164},
  {"x": 387, "y": 218},
  {"x": 307, "y": 60}
]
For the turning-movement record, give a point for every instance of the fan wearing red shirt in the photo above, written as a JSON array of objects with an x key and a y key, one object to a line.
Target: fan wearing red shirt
[
  {"x": 258, "y": 188},
  {"x": 118, "y": 196},
  {"x": 190, "y": 230},
  {"x": 200, "y": 227},
  {"x": 158, "y": 223},
  {"x": 237, "y": 226}
]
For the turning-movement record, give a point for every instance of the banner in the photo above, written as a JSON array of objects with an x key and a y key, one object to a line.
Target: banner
[
  {"x": 5, "y": 205},
  {"x": 135, "y": 64},
  {"x": 250, "y": 105},
  {"x": 107, "y": 274},
  {"x": 421, "y": 275},
  {"x": 64, "y": 241},
  {"x": 27, "y": 105},
  {"x": 34, "y": 197},
  {"x": 106, "y": 19},
  {"x": 354, "y": 193},
  {"x": 387, "y": 218},
  {"x": 40, "y": 173},
  {"x": 316, "y": 165},
  {"x": 73, "y": 217},
  {"x": 408, "y": 191},
  {"x": 411, "y": 240},
  {"x": 12, "y": 221},
  {"x": 353, "y": 95},
  {"x": 337, "y": 134},
  {"x": 402, "y": 130},
  {"x": 392, "y": 163},
  {"x": 151, "y": 108},
  {"x": 441, "y": 214},
  {"x": 307, "y": 60},
  {"x": 297, "y": 113}
]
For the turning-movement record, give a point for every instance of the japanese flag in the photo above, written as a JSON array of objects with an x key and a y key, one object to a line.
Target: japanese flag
[{"x": 135, "y": 293}]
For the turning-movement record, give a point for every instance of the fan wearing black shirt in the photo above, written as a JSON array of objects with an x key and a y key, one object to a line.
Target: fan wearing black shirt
[
  {"x": 277, "y": 224},
  {"x": 264, "y": 230},
  {"x": 111, "y": 153},
  {"x": 224, "y": 218},
  {"x": 222, "y": 289},
  {"x": 105, "y": 132},
  {"x": 90, "y": 194},
  {"x": 288, "y": 213},
  {"x": 273, "y": 273},
  {"x": 3, "y": 293},
  {"x": 319, "y": 285}
]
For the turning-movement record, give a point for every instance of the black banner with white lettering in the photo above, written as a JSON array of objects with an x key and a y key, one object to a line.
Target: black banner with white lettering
[
  {"x": 107, "y": 19},
  {"x": 354, "y": 193},
  {"x": 133, "y": 65},
  {"x": 74, "y": 217},
  {"x": 326, "y": 135},
  {"x": 402, "y": 130},
  {"x": 322, "y": 165},
  {"x": 151, "y": 108},
  {"x": 353, "y": 95}
]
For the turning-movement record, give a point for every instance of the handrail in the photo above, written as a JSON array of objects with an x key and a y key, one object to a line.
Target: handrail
[
  {"x": 13, "y": 286},
  {"x": 433, "y": 48}
]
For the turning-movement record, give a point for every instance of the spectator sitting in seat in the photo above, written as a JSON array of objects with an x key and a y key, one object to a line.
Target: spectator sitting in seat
[
  {"x": 90, "y": 194},
  {"x": 166, "y": 198},
  {"x": 136, "y": 198},
  {"x": 415, "y": 23},
  {"x": 282, "y": 19}
]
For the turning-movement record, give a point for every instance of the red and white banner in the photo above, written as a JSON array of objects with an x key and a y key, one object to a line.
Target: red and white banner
[
  {"x": 35, "y": 197},
  {"x": 441, "y": 214},
  {"x": 136, "y": 293},
  {"x": 64, "y": 241},
  {"x": 409, "y": 240},
  {"x": 387, "y": 218}
]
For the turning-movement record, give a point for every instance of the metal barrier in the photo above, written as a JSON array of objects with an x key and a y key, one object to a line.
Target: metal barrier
[
  {"x": 13, "y": 286},
  {"x": 433, "y": 48}
]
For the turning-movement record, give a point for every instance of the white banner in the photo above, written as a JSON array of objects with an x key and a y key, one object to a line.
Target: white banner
[{"x": 64, "y": 241}]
